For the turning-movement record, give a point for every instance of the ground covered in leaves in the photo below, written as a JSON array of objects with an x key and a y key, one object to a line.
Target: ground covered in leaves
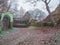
[{"x": 39, "y": 36}]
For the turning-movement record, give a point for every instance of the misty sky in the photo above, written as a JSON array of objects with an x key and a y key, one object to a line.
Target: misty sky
[{"x": 40, "y": 5}]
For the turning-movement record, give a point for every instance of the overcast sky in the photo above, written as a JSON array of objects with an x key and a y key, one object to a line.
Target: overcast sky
[{"x": 40, "y": 5}]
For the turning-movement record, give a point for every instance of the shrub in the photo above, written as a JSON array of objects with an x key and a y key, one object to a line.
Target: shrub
[
  {"x": 48, "y": 24},
  {"x": 35, "y": 24},
  {"x": 58, "y": 22}
]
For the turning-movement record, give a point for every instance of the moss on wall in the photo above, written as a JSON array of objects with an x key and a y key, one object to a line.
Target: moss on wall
[{"x": 7, "y": 14}]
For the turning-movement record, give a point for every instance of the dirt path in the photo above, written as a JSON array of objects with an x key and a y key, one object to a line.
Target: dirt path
[{"x": 25, "y": 36}]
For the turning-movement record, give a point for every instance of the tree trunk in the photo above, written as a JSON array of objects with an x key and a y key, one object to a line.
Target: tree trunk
[{"x": 48, "y": 9}]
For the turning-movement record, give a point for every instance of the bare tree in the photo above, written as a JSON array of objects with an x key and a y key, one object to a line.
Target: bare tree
[
  {"x": 8, "y": 7},
  {"x": 48, "y": 9},
  {"x": 3, "y": 5},
  {"x": 47, "y": 5}
]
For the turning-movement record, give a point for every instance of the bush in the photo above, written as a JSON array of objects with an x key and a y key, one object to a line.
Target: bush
[
  {"x": 48, "y": 24},
  {"x": 58, "y": 22},
  {"x": 35, "y": 24},
  {"x": 39, "y": 24}
]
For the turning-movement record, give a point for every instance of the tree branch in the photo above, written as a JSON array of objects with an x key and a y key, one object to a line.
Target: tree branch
[
  {"x": 48, "y": 1},
  {"x": 43, "y": 0}
]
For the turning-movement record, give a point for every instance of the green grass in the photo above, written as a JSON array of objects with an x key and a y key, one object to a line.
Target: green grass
[
  {"x": 7, "y": 32},
  {"x": 33, "y": 27}
]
